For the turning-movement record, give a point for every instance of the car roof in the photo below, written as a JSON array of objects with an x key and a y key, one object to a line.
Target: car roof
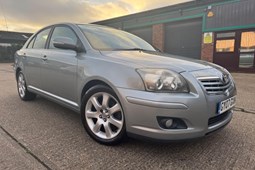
[{"x": 76, "y": 24}]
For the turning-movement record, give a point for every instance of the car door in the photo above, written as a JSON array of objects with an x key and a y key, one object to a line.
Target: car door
[
  {"x": 60, "y": 67},
  {"x": 33, "y": 58}
]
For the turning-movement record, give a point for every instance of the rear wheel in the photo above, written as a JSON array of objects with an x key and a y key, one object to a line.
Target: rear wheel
[
  {"x": 102, "y": 115},
  {"x": 24, "y": 94}
]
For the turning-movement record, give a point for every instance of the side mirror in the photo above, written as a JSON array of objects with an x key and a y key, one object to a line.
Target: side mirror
[{"x": 65, "y": 43}]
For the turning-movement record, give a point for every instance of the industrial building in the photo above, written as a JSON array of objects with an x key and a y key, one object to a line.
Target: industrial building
[
  {"x": 222, "y": 32},
  {"x": 10, "y": 42}
]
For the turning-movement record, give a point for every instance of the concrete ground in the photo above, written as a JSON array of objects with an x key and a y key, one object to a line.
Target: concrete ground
[{"x": 44, "y": 135}]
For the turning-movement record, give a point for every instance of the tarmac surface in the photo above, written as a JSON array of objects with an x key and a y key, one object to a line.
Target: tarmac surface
[{"x": 43, "y": 135}]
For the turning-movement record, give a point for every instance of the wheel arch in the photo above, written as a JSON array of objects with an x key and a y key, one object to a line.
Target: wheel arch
[
  {"x": 99, "y": 81},
  {"x": 17, "y": 72},
  {"x": 90, "y": 84}
]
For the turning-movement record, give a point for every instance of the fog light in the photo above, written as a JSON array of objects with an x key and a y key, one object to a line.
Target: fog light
[
  {"x": 166, "y": 123},
  {"x": 169, "y": 123}
]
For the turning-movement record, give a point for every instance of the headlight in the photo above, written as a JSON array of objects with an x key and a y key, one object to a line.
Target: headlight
[{"x": 162, "y": 80}]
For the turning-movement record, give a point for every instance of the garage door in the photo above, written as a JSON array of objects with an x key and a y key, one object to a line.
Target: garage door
[{"x": 184, "y": 38}]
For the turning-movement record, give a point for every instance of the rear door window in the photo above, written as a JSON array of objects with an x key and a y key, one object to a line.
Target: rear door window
[{"x": 41, "y": 39}]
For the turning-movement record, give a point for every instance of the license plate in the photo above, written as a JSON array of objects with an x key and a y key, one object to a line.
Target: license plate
[{"x": 226, "y": 105}]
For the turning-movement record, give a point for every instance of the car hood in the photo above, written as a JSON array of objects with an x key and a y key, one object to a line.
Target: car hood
[{"x": 146, "y": 59}]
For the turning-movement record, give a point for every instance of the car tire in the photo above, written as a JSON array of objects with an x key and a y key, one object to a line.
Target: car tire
[
  {"x": 24, "y": 94},
  {"x": 102, "y": 115}
]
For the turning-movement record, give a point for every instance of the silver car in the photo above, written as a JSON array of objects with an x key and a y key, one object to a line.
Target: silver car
[{"x": 122, "y": 86}]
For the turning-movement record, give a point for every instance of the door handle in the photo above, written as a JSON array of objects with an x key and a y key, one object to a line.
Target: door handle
[{"x": 44, "y": 58}]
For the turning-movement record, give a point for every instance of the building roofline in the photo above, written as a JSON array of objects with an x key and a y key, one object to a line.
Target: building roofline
[
  {"x": 181, "y": 6},
  {"x": 15, "y": 32}
]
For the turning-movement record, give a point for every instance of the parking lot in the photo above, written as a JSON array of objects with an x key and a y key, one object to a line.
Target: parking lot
[{"x": 43, "y": 135}]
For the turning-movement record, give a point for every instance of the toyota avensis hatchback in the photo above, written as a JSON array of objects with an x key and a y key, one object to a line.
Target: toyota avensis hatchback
[{"x": 122, "y": 86}]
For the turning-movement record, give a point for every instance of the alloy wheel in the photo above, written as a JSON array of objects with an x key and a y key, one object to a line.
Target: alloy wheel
[
  {"x": 104, "y": 115},
  {"x": 21, "y": 86}
]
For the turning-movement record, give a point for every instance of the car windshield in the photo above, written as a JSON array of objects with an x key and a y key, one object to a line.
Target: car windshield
[{"x": 107, "y": 39}]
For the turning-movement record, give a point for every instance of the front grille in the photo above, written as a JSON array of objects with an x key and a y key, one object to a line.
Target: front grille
[
  {"x": 214, "y": 85},
  {"x": 219, "y": 118}
]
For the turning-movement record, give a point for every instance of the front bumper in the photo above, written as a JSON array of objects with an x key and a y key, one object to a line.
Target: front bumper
[{"x": 196, "y": 108}]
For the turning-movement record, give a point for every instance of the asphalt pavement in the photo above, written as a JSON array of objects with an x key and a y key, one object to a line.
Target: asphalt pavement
[{"x": 43, "y": 135}]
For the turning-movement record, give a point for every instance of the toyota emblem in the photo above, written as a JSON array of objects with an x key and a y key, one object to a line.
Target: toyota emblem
[{"x": 225, "y": 78}]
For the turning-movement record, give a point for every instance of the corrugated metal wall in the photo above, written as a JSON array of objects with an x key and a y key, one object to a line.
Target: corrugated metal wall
[{"x": 233, "y": 14}]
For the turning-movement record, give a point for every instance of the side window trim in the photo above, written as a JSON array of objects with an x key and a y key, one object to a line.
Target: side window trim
[
  {"x": 31, "y": 41},
  {"x": 50, "y": 27},
  {"x": 47, "y": 44}
]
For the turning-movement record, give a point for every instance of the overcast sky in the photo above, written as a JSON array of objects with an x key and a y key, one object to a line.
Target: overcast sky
[{"x": 31, "y": 15}]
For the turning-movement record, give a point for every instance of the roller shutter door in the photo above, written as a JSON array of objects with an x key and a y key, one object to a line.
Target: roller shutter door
[{"x": 184, "y": 38}]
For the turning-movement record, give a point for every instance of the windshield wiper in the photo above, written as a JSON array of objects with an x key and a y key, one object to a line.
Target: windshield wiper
[{"x": 130, "y": 49}]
